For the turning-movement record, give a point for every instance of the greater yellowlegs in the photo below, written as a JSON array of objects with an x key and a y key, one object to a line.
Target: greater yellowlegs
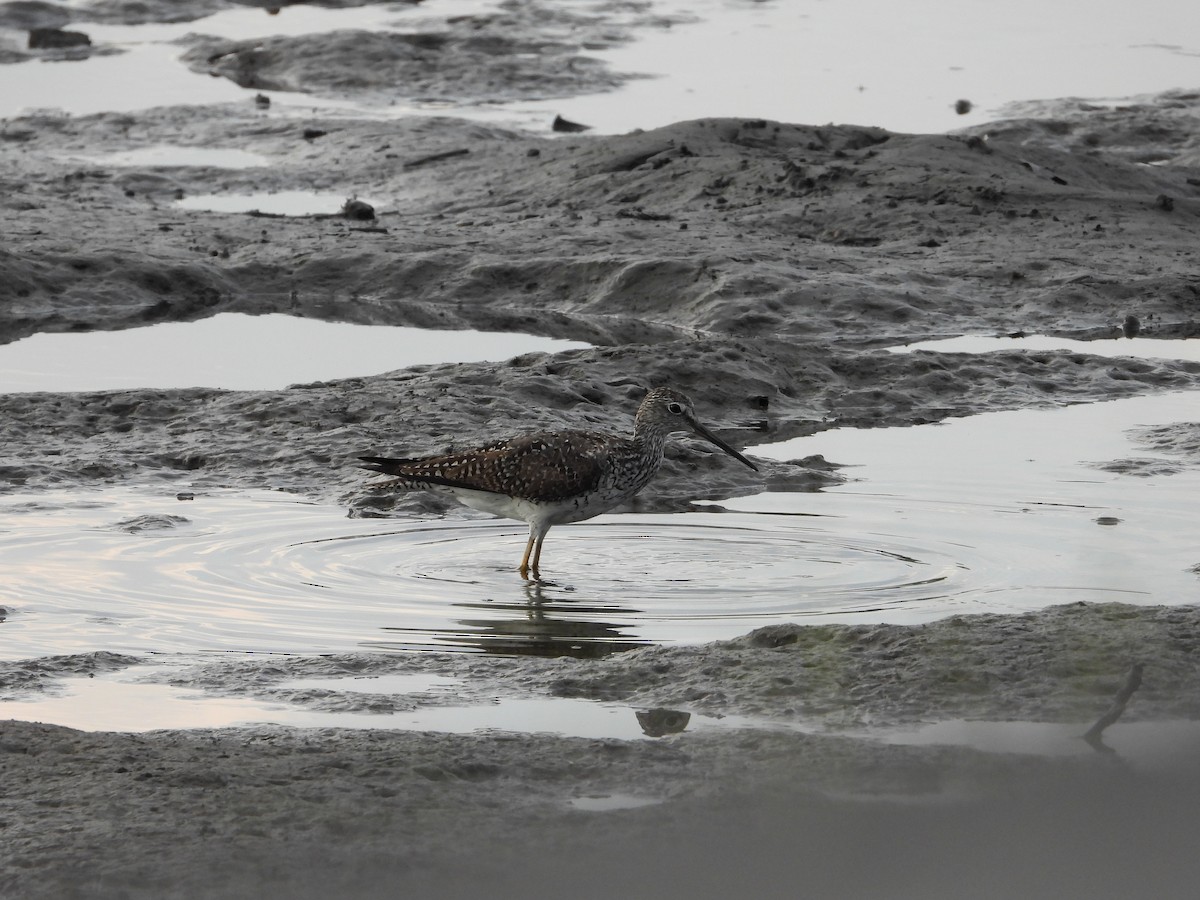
[{"x": 554, "y": 477}]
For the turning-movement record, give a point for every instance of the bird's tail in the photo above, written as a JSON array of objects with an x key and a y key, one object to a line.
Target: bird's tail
[{"x": 388, "y": 465}]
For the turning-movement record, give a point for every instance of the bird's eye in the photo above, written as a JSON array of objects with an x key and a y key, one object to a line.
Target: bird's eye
[{"x": 675, "y": 409}]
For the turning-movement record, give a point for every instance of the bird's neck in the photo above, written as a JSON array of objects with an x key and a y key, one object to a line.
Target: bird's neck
[{"x": 650, "y": 440}]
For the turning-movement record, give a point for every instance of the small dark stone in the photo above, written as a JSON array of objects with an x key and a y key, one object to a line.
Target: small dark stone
[
  {"x": 1131, "y": 326},
  {"x": 358, "y": 210},
  {"x": 57, "y": 39},
  {"x": 1165, "y": 203},
  {"x": 773, "y": 636},
  {"x": 565, "y": 125},
  {"x": 975, "y": 142},
  {"x": 962, "y": 107},
  {"x": 311, "y": 134},
  {"x": 149, "y": 523},
  {"x": 262, "y": 101}
]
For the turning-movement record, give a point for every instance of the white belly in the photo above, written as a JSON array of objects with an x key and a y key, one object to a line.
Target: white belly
[{"x": 574, "y": 509}]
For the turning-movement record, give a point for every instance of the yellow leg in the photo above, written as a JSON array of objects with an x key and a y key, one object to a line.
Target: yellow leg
[
  {"x": 533, "y": 548},
  {"x": 524, "y": 568},
  {"x": 537, "y": 554}
]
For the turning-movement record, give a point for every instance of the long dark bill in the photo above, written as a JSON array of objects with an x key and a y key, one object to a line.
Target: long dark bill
[{"x": 709, "y": 436}]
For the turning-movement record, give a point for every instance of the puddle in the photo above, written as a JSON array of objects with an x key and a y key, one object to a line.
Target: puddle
[
  {"x": 103, "y": 703},
  {"x": 609, "y": 802},
  {"x": 143, "y": 77},
  {"x": 780, "y": 60},
  {"x": 279, "y": 203},
  {"x": 1018, "y": 501},
  {"x": 254, "y": 21},
  {"x": 262, "y": 572},
  {"x": 1158, "y": 743},
  {"x": 900, "y": 66},
  {"x": 1144, "y": 348},
  {"x": 131, "y": 701},
  {"x": 419, "y": 683},
  {"x": 168, "y": 156},
  {"x": 148, "y": 72},
  {"x": 1002, "y": 512},
  {"x": 127, "y": 701},
  {"x": 227, "y": 351}
]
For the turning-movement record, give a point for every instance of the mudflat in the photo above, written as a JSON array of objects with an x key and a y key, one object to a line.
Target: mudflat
[{"x": 765, "y": 268}]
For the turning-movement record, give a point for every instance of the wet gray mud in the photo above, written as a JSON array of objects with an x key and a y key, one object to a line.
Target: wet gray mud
[
  {"x": 519, "y": 51},
  {"x": 765, "y": 268}
]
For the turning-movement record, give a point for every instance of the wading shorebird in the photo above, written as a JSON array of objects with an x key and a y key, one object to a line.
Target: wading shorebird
[{"x": 554, "y": 477}]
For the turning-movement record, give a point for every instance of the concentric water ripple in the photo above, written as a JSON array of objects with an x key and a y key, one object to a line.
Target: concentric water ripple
[
  {"x": 624, "y": 580},
  {"x": 997, "y": 513},
  {"x": 135, "y": 571}
]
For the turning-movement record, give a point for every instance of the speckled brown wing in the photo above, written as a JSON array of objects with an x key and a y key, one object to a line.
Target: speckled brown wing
[{"x": 533, "y": 467}]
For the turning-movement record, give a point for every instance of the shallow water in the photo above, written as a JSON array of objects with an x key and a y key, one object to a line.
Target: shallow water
[
  {"x": 277, "y": 203},
  {"x": 995, "y": 513},
  {"x": 900, "y": 66},
  {"x": 227, "y": 351},
  {"x": 128, "y": 701},
  {"x": 169, "y": 155},
  {"x": 265, "y": 573},
  {"x": 1143, "y": 348},
  {"x": 254, "y": 21},
  {"x": 1020, "y": 496},
  {"x": 139, "y": 700},
  {"x": 797, "y": 61},
  {"x": 148, "y": 73},
  {"x": 1153, "y": 743}
]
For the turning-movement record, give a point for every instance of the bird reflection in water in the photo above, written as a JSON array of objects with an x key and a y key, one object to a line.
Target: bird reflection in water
[
  {"x": 661, "y": 722},
  {"x": 538, "y": 625}
]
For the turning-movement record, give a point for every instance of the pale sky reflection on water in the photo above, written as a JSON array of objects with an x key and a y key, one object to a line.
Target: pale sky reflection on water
[
  {"x": 900, "y": 66},
  {"x": 240, "y": 352}
]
